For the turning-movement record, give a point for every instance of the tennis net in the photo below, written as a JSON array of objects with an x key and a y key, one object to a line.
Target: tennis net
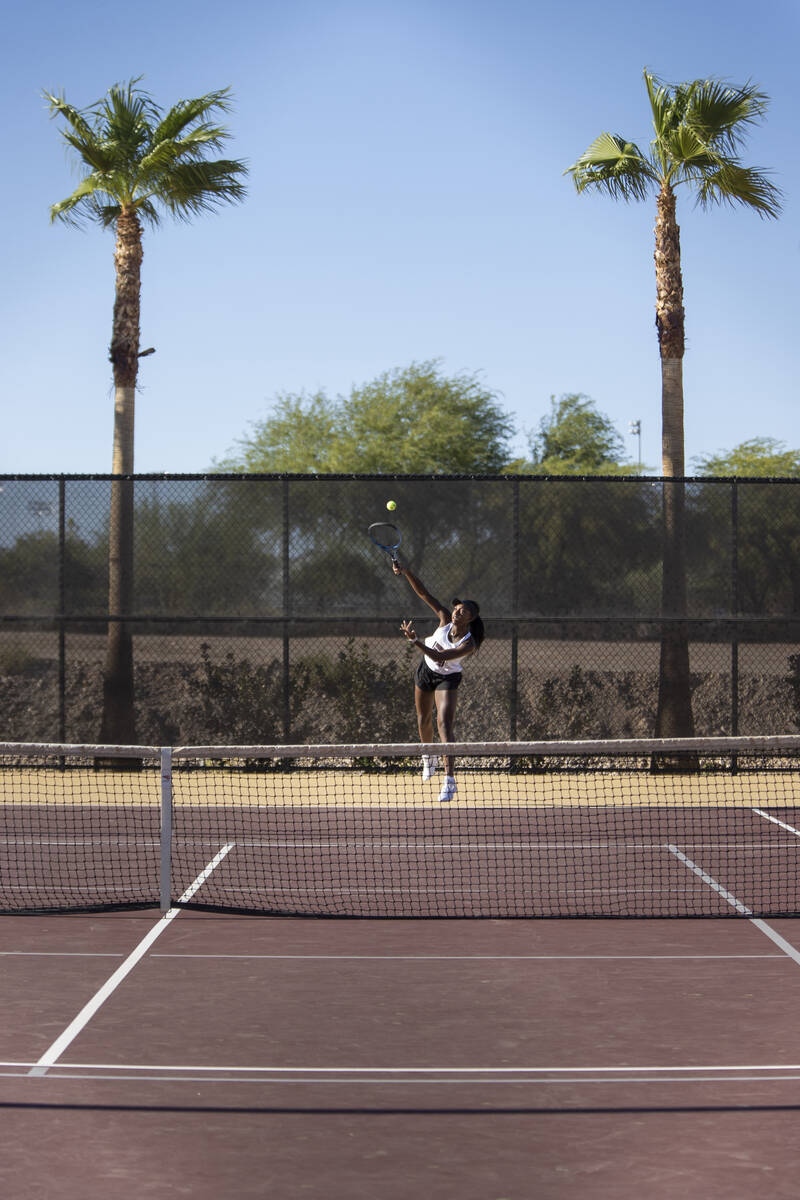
[{"x": 692, "y": 827}]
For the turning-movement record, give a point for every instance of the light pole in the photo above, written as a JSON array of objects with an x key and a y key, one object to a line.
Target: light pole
[
  {"x": 41, "y": 509},
  {"x": 635, "y": 428}
]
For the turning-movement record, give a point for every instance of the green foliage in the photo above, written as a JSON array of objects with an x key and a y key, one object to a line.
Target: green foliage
[
  {"x": 29, "y": 574},
  {"x": 589, "y": 547},
  {"x": 200, "y": 547},
  {"x": 576, "y": 439},
  {"x": 769, "y": 549},
  {"x": 208, "y": 548},
  {"x": 297, "y": 437},
  {"x": 137, "y": 157},
  {"x": 242, "y": 704},
  {"x": 577, "y": 704},
  {"x": 764, "y": 573},
  {"x": 700, "y": 128},
  {"x": 362, "y": 695},
  {"x": 19, "y": 660},
  {"x": 413, "y": 421},
  {"x": 794, "y": 685},
  {"x": 760, "y": 456},
  {"x": 349, "y": 698}
]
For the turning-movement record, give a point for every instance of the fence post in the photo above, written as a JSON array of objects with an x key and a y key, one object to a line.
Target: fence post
[
  {"x": 735, "y": 608},
  {"x": 62, "y": 595},
  {"x": 286, "y": 604},
  {"x": 515, "y": 568}
]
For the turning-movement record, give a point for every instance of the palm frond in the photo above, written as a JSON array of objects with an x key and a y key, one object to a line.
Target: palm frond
[
  {"x": 123, "y": 122},
  {"x": 148, "y": 211},
  {"x": 204, "y": 137},
  {"x": 138, "y": 157},
  {"x": 197, "y": 187},
  {"x": 159, "y": 159},
  {"x": 126, "y": 111},
  {"x": 685, "y": 145},
  {"x": 699, "y": 127},
  {"x": 667, "y": 103},
  {"x": 65, "y": 210},
  {"x": 613, "y": 165},
  {"x": 722, "y": 114},
  {"x": 733, "y": 184},
  {"x": 106, "y": 214},
  {"x": 95, "y": 154},
  {"x": 684, "y": 155},
  {"x": 187, "y": 112},
  {"x": 191, "y": 148},
  {"x": 59, "y": 108},
  {"x": 89, "y": 202}
]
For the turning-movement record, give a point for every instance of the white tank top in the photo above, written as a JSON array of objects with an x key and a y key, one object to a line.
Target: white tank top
[{"x": 440, "y": 640}]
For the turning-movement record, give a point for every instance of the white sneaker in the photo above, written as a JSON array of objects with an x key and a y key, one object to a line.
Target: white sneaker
[
  {"x": 429, "y": 764},
  {"x": 448, "y": 789}
]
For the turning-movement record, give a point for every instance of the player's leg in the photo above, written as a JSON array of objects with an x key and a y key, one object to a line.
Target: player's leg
[
  {"x": 445, "y": 715},
  {"x": 423, "y": 703}
]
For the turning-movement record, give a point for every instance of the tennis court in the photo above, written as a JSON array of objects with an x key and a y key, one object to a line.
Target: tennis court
[{"x": 186, "y": 1050}]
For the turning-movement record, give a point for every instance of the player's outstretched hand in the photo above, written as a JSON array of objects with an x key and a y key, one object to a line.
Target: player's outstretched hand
[{"x": 407, "y": 627}]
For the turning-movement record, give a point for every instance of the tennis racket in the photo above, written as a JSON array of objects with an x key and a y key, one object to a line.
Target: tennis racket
[{"x": 386, "y": 536}]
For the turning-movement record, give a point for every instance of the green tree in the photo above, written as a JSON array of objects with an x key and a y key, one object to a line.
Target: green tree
[
  {"x": 764, "y": 457},
  {"x": 575, "y": 438},
  {"x": 699, "y": 129},
  {"x": 767, "y": 517},
  {"x": 202, "y": 549},
  {"x": 137, "y": 161},
  {"x": 29, "y": 571},
  {"x": 411, "y": 421}
]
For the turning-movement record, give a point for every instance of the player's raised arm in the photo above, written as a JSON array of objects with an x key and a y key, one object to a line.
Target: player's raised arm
[{"x": 416, "y": 584}]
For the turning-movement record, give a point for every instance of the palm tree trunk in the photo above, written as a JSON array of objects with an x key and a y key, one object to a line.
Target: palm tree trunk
[
  {"x": 674, "y": 712},
  {"x": 119, "y": 723}
]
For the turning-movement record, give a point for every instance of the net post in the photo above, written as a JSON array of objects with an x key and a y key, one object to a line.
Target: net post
[{"x": 165, "y": 888}]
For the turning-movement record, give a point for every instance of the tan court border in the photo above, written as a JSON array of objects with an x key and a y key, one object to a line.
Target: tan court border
[{"x": 351, "y": 790}]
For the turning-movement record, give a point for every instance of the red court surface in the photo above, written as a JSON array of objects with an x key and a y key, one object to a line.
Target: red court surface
[{"x": 484, "y": 1060}]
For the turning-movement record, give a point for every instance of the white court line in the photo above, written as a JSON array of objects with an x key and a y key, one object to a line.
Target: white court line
[
  {"x": 769, "y": 817},
  {"x": 788, "y": 949},
  {"x": 399, "y": 957},
  {"x": 56, "y": 954},
  {"x": 138, "y": 1069},
  {"x": 54, "y": 1052},
  {"x": 711, "y": 882},
  {"x": 463, "y": 957},
  {"x": 551, "y": 850}
]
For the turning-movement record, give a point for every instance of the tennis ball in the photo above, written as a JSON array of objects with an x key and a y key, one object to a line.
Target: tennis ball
[{"x": 391, "y": 505}]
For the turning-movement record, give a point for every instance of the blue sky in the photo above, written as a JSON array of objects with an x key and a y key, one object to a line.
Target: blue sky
[{"x": 406, "y": 202}]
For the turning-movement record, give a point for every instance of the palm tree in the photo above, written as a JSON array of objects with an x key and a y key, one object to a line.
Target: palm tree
[
  {"x": 136, "y": 162},
  {"x": 699, "y": 129}
]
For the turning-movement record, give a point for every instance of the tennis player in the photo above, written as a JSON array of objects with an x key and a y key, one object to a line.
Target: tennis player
[{"x": 438, "y": 676}]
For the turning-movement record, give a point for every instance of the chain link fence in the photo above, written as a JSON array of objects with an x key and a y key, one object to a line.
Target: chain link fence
[{"x": 263, "y": 613}]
